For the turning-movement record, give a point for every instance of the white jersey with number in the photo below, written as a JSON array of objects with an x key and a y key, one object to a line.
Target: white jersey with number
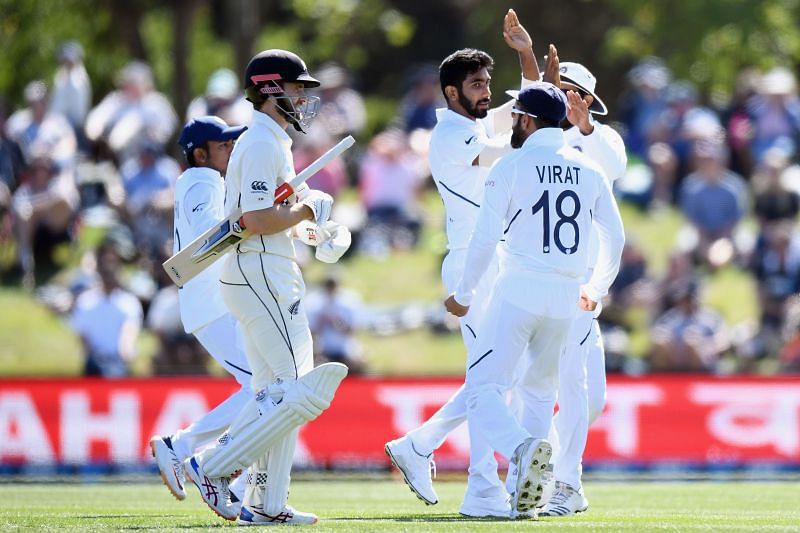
[
  {"x": 543, "y": 200},
  {"x": 260, "y": 162},
  {"x": 199, "y": 199}
]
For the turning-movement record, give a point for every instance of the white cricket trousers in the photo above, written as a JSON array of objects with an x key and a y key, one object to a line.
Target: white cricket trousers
[
  {"x": 527, "y": 316},
  {"x": 581, "y": 397},
  {"x": 483, "y": 480},
  {"x": 264, "y": 292},
  {"x": 222, "y": 339}
]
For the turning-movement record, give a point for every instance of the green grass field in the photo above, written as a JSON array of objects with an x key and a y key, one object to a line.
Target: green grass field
[{"x": 386, "y": 505}]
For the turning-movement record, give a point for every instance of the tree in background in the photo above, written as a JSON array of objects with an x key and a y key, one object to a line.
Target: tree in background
[{"x": 380, "y": 41}]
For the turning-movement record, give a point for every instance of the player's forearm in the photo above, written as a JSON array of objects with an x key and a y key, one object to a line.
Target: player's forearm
[
  {"x": 612, "y": 241},
  {"x": 496, "y": 148},
  {"x": 276, "y": 219},
  {"x": 529, "y": 65},
  {"x": 478, "y": 258}
]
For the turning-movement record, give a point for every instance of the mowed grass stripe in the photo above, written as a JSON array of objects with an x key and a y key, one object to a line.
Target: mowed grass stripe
[{"x": 387, "y": 505}]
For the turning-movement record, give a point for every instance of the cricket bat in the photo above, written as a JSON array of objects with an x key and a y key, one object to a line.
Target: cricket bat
[{"x": 219, "y": 239}]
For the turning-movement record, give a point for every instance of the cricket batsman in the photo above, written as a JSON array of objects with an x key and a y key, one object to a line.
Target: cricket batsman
[{"x": 263, "y": 287}]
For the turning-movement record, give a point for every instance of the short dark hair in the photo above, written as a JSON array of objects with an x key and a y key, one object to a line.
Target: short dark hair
[
  {"x": 190, "y": 154},
  {"x": 457, "y": 66}
]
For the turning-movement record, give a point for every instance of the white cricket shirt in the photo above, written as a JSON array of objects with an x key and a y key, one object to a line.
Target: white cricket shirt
[
  {"x": 605, "y": 147},
  {"x": 456, "y": 141},
  {"x": 260, "y": 162},
  {"x": 199, "y": 201},
  {"x": 543, "y": 199},
  {"x": 99, "y": 317}
]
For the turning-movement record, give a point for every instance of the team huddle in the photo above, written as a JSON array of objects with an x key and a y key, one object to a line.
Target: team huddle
[{"x": 534, "y": 242}]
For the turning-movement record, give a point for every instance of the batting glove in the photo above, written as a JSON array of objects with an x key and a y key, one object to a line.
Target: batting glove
[
  {"x": 300, "y": 192},
  {"x": 311, "y": 234},
  {"x": 320, "y": 204},
  {"x": 332, "y": 249}
]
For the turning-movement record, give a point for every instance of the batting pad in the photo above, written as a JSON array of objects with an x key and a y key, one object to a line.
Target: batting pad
[
  {"x": 304, "y": 401},
  {"x": 256, "y": 483},
  {"x": 279, "y": 473}
]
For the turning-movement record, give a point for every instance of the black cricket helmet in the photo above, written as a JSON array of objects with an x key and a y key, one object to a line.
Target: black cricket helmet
[{"x": 263, "y": 77}]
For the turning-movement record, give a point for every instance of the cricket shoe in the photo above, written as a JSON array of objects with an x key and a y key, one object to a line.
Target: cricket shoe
[
  {"x": 530, "y": 460},
  {"x": 548, "y": 484},
  {"x": 214, "y": 491},
  {"x": 491, "y": 507},
  {"x": 415, "y": 467},
  {"x": 169, "y": 466},
  {"x": 565, "y": 501},
  {"x": 255, "y": 516}
]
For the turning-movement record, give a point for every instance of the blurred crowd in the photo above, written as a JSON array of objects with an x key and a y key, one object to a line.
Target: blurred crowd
[
  {"x": 731, "y": 172},
  {"x": 86, "y": 210}
]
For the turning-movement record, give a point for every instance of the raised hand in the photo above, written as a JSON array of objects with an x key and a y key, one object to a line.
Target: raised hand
[
  {"x": 551, "y": 64},
  {"x": 515, "y": 34},
  {"x": 578, "y": 112}
]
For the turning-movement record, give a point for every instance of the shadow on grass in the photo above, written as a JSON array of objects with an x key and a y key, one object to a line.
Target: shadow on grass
[
  {"x": 421, "y": 518},
  {"x": 176, "y": 526}
]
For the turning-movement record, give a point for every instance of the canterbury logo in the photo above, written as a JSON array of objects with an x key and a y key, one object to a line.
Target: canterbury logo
[
  {"x": 259, "y": 186},
  {"x": 294, "y": 308}
]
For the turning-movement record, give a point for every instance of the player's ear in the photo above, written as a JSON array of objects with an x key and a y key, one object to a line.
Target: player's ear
[
  {"x": 451, "y": 92},
  {"x": 200, "y": 155}
]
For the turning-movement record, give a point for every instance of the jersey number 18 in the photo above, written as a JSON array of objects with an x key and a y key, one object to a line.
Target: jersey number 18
[{"x": 543, "y": 205}]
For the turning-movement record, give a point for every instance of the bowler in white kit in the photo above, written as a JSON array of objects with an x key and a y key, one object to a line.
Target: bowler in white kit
[
  {"x": 543, "y": 201},
  {"x": 466, "y": 140}
]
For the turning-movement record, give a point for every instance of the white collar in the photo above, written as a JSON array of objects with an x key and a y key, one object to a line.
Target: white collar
[
  {"x": 266, "y": 120},
  {"x": 203, "y": 172},
  {"x": 545, "y": 137},
  {"x": 446, "y": 114}
]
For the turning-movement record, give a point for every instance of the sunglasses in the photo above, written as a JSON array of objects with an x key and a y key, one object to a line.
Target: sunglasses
[
  {"x": 581, "y": 92},
  {"x": 516, "y": 111}
]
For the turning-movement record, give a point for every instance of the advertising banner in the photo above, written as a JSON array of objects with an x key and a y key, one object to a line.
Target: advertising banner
[{"x": 651, "y": 420}]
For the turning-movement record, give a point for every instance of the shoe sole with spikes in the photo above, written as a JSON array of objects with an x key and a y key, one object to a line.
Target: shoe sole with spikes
[{"x": 532, "y": 464}]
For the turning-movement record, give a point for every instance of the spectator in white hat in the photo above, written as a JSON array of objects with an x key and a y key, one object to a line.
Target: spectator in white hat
[
  {"x": 775, "y": 111},
  {"x": 72, "y": 89},
  {"x": 223, "y": 98},
  {"x": 37, "y": 126},
  {"x": 133, "y": 113}
]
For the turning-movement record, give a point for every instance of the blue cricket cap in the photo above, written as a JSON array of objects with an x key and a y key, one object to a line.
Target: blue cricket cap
[
  {"x": 199, "y": 131},
  {"x": 543, "y": 100}
]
